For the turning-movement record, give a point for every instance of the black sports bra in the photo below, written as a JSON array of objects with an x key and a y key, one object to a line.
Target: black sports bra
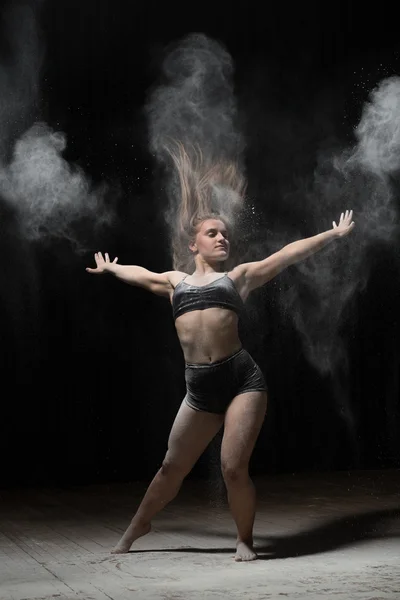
[{"x": 220, "y": 293}]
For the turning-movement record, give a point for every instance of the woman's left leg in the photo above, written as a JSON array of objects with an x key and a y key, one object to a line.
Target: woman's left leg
[{"x": 243, "y": 421}]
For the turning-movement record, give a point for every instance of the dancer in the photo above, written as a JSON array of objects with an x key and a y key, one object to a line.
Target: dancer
[{"x": 224, "y": 385}]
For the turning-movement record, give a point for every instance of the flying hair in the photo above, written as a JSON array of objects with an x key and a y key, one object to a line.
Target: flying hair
[{"x": 208, "y": 189}]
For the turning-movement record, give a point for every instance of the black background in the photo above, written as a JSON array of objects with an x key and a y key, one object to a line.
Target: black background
[{"x": 92, "y": 372}]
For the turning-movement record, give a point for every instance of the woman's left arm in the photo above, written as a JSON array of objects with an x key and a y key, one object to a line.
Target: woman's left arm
[{"x": 256, "y": 274}]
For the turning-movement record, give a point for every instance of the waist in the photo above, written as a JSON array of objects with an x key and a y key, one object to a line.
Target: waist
[{"x": 217, "y": 362}]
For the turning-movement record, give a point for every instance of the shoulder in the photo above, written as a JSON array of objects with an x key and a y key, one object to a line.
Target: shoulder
[
  {"x": 238, "y": 273},
  {"x": 238, "y": 276},
  {"x": 174, "y": 277}
]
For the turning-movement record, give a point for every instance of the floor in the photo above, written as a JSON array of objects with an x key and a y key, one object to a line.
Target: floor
[{"x": 329, "y": 535}]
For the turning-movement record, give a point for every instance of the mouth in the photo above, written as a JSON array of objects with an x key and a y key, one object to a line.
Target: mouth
[{"x": 221, "y": 248}]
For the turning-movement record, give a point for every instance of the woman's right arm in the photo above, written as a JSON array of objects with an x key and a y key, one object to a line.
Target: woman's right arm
[{"x": 158, "y": 283}]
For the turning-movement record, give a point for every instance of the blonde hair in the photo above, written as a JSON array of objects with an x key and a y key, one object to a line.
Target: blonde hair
[{"x": 208, "y": 189}]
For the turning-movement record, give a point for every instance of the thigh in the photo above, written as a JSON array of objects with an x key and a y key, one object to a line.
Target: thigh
[
  {"x": 190, "y": 435},
  {"x": 243, "y": 422}
]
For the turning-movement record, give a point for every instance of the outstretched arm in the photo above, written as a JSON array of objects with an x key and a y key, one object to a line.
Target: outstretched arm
[
  {"x": 256, "y": 274},
  {"x": 158, "y": 283}
]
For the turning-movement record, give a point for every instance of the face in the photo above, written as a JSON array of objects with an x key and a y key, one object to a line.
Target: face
[{"x": 211, "y": 240}]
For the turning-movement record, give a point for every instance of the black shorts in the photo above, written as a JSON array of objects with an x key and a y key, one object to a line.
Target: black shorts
[{"x": 213, "y": 386}]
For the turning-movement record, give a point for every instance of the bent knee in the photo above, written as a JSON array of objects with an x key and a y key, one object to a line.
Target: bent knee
[
  {"x": 174, "y": 468},
  {"x": 234, "y": 473}
]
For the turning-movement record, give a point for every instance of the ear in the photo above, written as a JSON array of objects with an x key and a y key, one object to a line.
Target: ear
[{"x": 193, "y": 247}]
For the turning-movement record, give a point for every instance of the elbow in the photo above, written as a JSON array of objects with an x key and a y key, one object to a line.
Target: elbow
[{"x": 288, "y": 256}]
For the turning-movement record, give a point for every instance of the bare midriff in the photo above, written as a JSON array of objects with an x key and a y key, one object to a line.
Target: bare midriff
[{"x": 209, "y": 335}]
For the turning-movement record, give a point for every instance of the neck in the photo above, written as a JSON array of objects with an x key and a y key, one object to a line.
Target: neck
[{"x": 204, "y": 268}]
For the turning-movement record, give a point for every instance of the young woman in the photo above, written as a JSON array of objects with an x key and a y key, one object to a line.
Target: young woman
[{"x": 224, "y": 386}]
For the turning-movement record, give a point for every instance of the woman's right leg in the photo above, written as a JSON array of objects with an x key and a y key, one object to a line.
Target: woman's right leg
[{"x": 190, "y": 435}]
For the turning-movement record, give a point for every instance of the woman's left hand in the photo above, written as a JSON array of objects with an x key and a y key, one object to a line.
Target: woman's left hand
[{"x": 345, "y": 224}]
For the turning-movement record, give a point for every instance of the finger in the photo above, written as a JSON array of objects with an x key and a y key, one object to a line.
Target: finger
[
  {"x": 115, "y": 259},
  {"x": 107, "y": 257},
  {"x": 334, "y": 224},
  {"x": 99, "y": 254},
  {"x": 341, "y": 217},
  {"x": 89, "y": 270}
]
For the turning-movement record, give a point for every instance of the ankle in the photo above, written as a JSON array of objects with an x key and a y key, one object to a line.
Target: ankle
[{"x": 248, "y": 540}]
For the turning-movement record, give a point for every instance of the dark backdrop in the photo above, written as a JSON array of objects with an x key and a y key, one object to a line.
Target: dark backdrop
[{"x": 92, "y": 373}]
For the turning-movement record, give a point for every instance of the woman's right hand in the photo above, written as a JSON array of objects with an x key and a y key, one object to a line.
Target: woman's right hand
[{"x": 101, "y": 263}]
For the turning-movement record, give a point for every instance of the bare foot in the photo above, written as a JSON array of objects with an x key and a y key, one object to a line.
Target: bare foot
[
  {"x": 244, "y": 552},
  {"x": 133, "y": 532}
]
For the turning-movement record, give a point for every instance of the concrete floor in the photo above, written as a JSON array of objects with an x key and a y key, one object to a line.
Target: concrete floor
[{"x": 330, "y": 535}]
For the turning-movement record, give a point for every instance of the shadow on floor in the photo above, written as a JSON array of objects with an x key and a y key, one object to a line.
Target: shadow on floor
[{"x": 325, "y": 537}]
